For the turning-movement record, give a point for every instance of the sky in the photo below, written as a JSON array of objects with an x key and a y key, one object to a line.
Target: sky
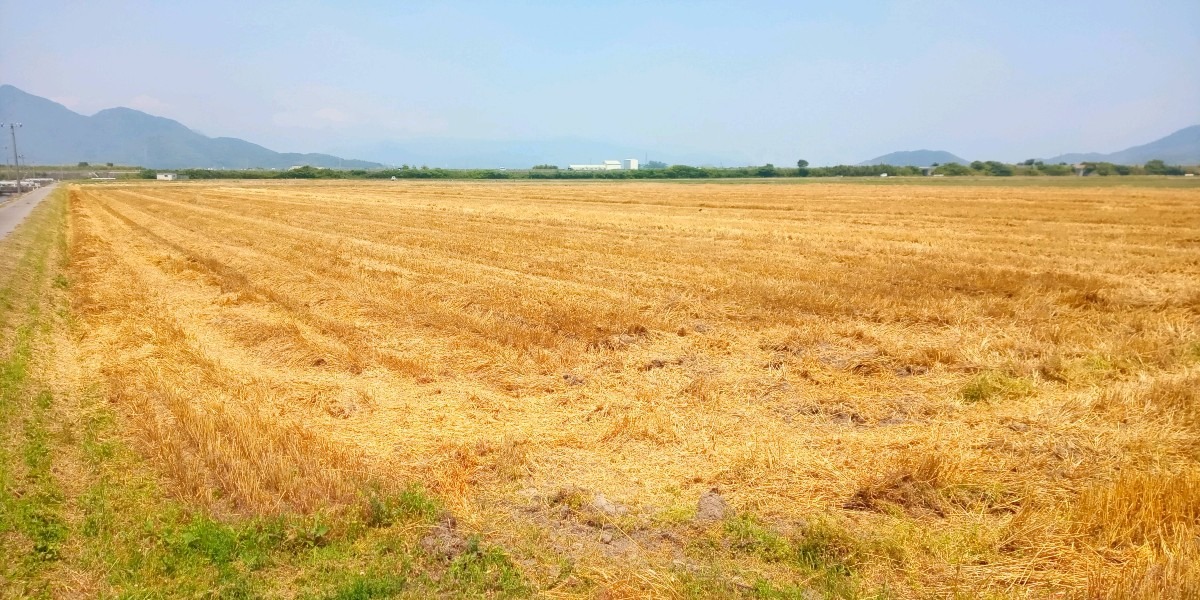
[{"x": 755, "y": 82}]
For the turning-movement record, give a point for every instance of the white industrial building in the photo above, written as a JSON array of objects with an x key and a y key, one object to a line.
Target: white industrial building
[
  {"x": 171, "y": 177},
  {"x": 629, "y": 164}
]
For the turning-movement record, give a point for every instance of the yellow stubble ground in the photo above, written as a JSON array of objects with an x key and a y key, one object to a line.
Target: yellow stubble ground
[{"x": 955, "y": 375}]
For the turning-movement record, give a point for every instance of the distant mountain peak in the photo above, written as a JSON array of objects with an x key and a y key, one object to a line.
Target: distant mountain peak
[
  {"x": 53, "y": 134},
  {"x": 1179, "y": 148},
  {"x": 915, "y": 158}
]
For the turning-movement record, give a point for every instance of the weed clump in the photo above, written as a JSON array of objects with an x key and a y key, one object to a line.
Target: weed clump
[
  {"x": 747, "y": 535},
  {"x": 479, "y": 570},
  {"x": 994, "y": 385},
  {"x": 412, "y": 503},
  {"x": 821, "y": 553},
  {"x": 369, "y": 585}
]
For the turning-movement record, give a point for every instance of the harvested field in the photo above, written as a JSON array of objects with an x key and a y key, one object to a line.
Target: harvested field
[{"x": 906, "y": 389}]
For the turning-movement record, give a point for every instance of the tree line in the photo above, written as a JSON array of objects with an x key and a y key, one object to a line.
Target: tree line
[{"x": 658, "y": 171}]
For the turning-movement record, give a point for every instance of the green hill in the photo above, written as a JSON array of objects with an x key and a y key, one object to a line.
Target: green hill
[
  {"x": 1179, "y": 148},
  {"x": 52, "y": 134},
  {"x": 915, "y": 158}
]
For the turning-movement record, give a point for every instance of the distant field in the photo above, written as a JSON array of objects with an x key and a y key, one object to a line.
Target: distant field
[{"x": 896, "y": 390}]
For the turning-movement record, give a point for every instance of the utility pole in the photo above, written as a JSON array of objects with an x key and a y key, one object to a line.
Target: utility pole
[{"x": 12, "y": 128}]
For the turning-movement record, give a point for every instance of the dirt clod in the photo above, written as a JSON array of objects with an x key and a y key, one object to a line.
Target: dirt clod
[
  {"x": 444, "y": 540},
  {"x": 848, "y": 418},
  {"x": 910, "y": 370},
  {"x": 346, "y": 404},
  {"x": 712, "y": 506},
  {"x": 607, "y": 506},
  {"x": 658, "y": 363},
  {"x": 619, "y": 341}
]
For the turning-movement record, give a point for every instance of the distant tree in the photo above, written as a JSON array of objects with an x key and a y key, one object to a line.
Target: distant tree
[
  {"x": 1158, "y": 167},
  {"x": 83, "y": 164},
  {"x": 654, "y": 164},
  {"x": 548, "y": 167},
  {"x": 1057, "y": 170},
  {"x": 952, "y": 169},
  {"x": 998, "y": 168},
  {"x": 308, "y": 172},
  {"x": 1105, "y": 169},
  {"x": 685, "y": 172},
  {"x": 767, "y": 170},
  {"x": 800, "y": 164}
]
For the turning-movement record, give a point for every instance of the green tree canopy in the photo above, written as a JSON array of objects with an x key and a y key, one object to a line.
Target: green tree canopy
[{"x": 952, "y": 169}]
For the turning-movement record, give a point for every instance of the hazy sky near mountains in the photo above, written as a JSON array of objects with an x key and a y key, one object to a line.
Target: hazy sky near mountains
[{"x": 759, "y": 81}]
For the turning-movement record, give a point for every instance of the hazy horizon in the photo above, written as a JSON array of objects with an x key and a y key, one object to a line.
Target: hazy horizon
[{"x": 756, "y": 83}]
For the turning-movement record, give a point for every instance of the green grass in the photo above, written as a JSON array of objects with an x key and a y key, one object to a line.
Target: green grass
[
  {"x": 364, "y": 587},
  {"x": 480, "y": 570},
  {"x": 411, "y": 504},
  {"x": 821, "y": 555},
  {"x": 31, "y": 501},
  {"x": 747, "y": 535}
]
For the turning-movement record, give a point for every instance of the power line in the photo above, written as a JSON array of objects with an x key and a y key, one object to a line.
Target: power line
[{"x": 12, "y": 128}]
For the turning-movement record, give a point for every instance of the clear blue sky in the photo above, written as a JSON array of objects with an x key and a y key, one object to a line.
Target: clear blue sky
[{"x": 759, "y": 81}]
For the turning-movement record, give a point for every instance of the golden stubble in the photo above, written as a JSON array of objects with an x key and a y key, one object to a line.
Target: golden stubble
[{"x": 998, "y": 358}]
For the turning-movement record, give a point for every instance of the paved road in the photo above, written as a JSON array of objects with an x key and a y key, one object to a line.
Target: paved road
[{"x": 12, "y": 212}]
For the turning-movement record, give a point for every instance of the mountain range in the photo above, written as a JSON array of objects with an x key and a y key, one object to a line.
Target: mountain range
[
  {"x": 55, "y": 135},
  {"x": 915, "y": 158},
  {"x": 1179, "y": 148}
]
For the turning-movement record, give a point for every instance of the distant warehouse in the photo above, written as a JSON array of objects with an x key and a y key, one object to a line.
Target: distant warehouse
[
  {"x": 171, "y": 177},
  {"x": 629, "y": 164}
]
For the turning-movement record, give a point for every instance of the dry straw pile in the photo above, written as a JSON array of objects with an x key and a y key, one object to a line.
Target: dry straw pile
[{"x": 972, "y": 389}]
